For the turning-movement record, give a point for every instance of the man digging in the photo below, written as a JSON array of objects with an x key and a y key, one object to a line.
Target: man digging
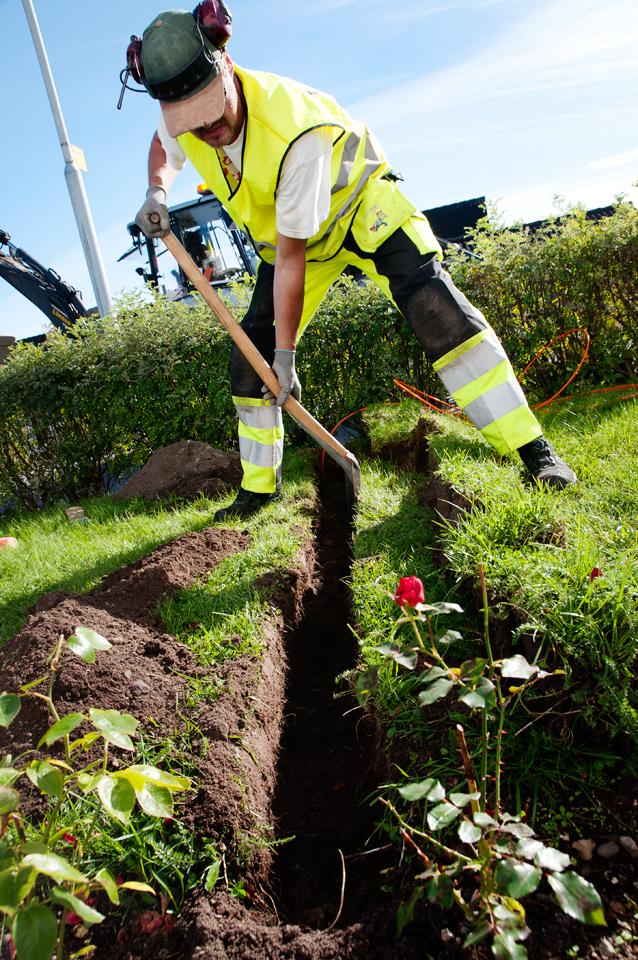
[{"x": 316, "y": 194}]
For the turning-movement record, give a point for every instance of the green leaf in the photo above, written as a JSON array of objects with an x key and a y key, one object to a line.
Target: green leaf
[
  {"x": 33, "y": 683},
  {"x": 84, "y": 742},
  {"x": 366, "y": 683},
  {"x": 429, "y": 789},
  {"x": 85, "y": 642},
  {"x": 436, "y": 691},
  {"x": 88, "y": 781},
  {"x": 405, "y": 911},
  {"x": 528, "y": 847},
  {"x": 51, "y": 865},
  {"x": 404, "y": 659},
  {"x": 46, "y": 778},
  {"x": 518, "y": 829},
  {"x": 107, "y": 880},
  {"x": 156, "y": 801},
  {"x": 117, "y": 796},
  {"x": 469, "y": 832},
  {"x": 517, "y": 879},
  {"x": 9, "y": 708},
  {"x": 517, "y": 666},
  {"x": 140, "y": 774},
  {"x": 482, "y": 697},
  {"x": 462, "y": 799},
  {"x": 8, "y": 776},
  {"x": 9, "y": 799},
  {"x": 505, "y": 947},
  {"x": 577, "y": 897},
  {"x": 442, "y": 607},
  {"x": 484, "y": 820},
  {"x": 551, "y": 859},
  {"x": 477, "y": 936},
  {"x": 432, "y": 674},
  {"x": 212, "y": 875},
  {"x": 442, "y": 815},
  {"x": 116, "y": 727},
  {"x": 83, "y": 910},
  {"x": 15, "y": 885},
  {"x": 472, "y": 669},
  {"x": 450, "y": 636},
  {"x": 61, "y": 728},
  {"x": 35, "y": 931}
]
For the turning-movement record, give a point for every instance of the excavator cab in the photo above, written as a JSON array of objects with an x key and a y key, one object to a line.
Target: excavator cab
[{"x": 221, "y": 251}]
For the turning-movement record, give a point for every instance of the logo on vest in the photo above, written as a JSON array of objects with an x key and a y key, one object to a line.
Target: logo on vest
[{"x": 375, "y": 219}]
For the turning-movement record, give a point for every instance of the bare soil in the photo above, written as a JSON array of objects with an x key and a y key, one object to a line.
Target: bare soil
[{"x": 282, "y": 752}]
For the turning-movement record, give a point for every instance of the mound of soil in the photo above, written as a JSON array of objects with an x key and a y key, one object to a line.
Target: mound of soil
[
  {"x": 140, "y": 673},
  {"x": 186, "y": 469}
]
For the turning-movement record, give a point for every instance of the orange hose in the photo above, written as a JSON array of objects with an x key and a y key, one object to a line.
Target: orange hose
[{"x": 442, "y": 406}]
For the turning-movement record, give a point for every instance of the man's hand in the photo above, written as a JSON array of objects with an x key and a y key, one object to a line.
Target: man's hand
[
  {"x": 152, "y": 217},
  {"x": 284, "y": 367}
]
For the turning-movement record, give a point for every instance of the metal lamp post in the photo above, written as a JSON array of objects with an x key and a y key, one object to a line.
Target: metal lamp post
[{"x": 73, "y": 165}]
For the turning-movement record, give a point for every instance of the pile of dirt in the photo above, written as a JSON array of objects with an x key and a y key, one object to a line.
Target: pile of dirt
[
  {"x": 140, "y": 674},
  {"x": 185, "y": 469}
]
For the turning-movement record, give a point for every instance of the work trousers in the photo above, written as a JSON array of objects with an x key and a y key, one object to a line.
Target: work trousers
[{"x": 465, "y": 351}]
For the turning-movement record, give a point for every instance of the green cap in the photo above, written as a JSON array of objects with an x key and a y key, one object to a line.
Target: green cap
[{"x": 178, "y": 59}]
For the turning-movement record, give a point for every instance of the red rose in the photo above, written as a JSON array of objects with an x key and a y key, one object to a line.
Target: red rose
[
  {"x": 596, "y": 572},
  {"x": 409, "y": 592}
]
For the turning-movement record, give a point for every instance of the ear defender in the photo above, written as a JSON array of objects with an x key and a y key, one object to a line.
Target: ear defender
[{"x": 214, "y": 21}]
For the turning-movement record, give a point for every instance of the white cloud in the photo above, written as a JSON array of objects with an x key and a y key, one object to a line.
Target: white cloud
[
  {"x": 564, "y": 45},
  {"x": 618, "y": 160},
  {"x": 529, "y": 108}
]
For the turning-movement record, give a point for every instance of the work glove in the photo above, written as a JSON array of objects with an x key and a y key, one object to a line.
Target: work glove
[
  {"x": 284, "y": 367},
  {"x": 152, "y": 217}
]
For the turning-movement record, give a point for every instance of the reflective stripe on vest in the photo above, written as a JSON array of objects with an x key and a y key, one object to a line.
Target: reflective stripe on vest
[{"x": 278, "y": 112}]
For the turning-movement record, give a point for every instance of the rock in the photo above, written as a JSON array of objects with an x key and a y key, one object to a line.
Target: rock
[
  {"x": 606, "y": 949},
  {"x": 608, "y": 850},
  {"x": 629, "y": 845},
  {"x": 584, "y": 848}
]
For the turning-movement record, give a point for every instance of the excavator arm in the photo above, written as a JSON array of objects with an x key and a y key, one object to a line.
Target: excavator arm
[{"x": 58, "y": 300}]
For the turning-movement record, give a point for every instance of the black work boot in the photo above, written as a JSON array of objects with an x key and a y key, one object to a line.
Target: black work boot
[
  {"x": 545, "y": 466},
  {"x": 245, "y": 504}
]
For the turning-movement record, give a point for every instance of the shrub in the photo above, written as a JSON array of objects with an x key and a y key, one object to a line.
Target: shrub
[
  {"x": 572, "y": 272},
  {"x": 87, "y": 406}
]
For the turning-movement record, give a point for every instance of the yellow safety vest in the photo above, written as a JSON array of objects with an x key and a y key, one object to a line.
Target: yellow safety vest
[{"x": 278, "y": 112}]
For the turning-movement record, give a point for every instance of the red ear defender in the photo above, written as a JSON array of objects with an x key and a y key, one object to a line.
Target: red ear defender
[
  {"x": 215, "y": 21},
  {"x": 134, "y": 59}
]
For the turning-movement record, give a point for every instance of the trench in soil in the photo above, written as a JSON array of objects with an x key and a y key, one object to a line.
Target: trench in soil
[{"x": 327, "y": 762}]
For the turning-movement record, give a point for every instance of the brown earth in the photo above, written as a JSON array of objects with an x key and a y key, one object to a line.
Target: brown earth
[
  {"x": 185, "y": 469},
  {"x": 282, "y": 751}
]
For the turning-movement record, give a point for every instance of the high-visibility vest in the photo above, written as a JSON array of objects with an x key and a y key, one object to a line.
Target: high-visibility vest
[{"x": 278, "y": 112}]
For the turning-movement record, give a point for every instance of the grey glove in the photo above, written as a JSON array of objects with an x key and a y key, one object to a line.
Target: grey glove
[
  {"x": 284, "y": 367},
  {"x": 152, "y": 217}
]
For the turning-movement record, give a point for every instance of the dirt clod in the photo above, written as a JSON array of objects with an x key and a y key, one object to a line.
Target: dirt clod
[{"x": 186, "y": 469}]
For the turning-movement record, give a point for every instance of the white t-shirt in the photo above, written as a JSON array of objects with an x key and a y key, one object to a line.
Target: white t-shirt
[{"x": 302, "y": 202}]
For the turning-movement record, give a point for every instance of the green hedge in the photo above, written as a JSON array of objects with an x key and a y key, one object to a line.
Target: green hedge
[
  {"x": 573, "y": 272},
  {"x": 87, "y": 406}
]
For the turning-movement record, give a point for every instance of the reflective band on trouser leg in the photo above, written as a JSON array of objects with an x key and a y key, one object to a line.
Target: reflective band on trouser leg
[
  {"x": 479, "y": 376},
  {"x": 261, "y": 443}
]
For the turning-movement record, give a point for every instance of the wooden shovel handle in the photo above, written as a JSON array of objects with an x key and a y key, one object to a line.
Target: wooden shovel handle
[{"x": 249, "y": 350}]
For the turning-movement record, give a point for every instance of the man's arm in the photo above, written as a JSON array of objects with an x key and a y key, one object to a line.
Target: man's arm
[
  {"x": 152, "y": 218},
  {"x": 290, "y": 274},
  {"x": 160, "y": 172}
]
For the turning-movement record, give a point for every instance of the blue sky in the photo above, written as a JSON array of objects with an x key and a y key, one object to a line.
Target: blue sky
[{"x": 518, "y": 101}]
